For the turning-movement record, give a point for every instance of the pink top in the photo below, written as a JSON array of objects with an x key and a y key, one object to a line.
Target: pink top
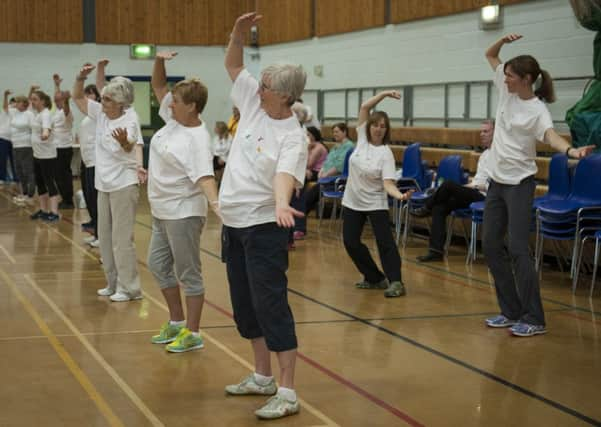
[{"x": 317, "y": 157}]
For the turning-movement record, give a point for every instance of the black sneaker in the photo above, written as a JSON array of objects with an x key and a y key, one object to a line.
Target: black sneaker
[
  {"x": 421, "y": 212},
  {"x": 430, "y": 256},
  {"x": 51, "y": 217},
  {"x": 38, "y": 215},
  {"x": 66, "y": 205}
]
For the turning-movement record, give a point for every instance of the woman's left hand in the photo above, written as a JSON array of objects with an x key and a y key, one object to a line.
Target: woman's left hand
[
  {"x": 580, "y": 152},
  {"x": 393, "y": 94},
  {"x": 120, "y": 134},
  {"x": 284, "y": 216},
  {"x": 142, "y": 175}
]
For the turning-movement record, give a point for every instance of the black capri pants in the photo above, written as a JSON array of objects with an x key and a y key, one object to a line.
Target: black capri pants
[
  {"x": 257, "y": 259},
  {"x": 45, "y": 176}
]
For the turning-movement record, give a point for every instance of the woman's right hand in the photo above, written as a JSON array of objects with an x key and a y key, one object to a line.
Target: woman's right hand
[
  {"x": 392, "y": 94},
  {"x": 86, "y": 69},
  {"x": 510, "y": 38},
  {"x": 245, "y": 22},
  {"x": 166, "y": 55}
]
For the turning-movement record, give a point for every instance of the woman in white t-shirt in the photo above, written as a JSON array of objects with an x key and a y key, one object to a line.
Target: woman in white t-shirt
[
  {"x": 372, "y": 178},
  {"x": 6, "y": 147},
  {"x": 180, "y": 181},
  {"x": 62, "y": 127},
  {"x": 119, "y": 171},
  {"x": 20, "y": 136},
  {"x": 522, "y": 119},
  {"x": 266, "y": 162},
  {"x": 44, "y": 155}
]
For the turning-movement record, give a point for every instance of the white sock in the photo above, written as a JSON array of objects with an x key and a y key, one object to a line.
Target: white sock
[
  {"x": 287, "y": 393},
  {"x": 262, "y": 379},
  {"x": 196, "y": 334},
  {"x": 177, "y": 322}
]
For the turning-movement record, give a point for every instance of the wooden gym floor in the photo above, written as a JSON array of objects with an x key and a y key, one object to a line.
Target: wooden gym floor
[{"x": 71, "y": 358}]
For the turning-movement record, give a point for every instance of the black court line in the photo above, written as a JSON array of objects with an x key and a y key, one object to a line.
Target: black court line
[{"x": 438, "y": 353}]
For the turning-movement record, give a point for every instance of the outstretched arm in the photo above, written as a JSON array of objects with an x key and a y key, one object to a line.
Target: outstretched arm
[
  {"x": 78, "y": 94},
  {"x": 560, "y": 144},
  {"x": 100, "y": 74},
  {"x": 373, "y": 101},
  {"x": 492, "y": 53},
  {"x": 159, "y": 74},
  {"x": 234, "y": 61}
]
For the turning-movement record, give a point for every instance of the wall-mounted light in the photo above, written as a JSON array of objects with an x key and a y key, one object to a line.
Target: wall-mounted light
[
  {"x": 142, "y": 51},
  {"x": 490, "y": 17}
]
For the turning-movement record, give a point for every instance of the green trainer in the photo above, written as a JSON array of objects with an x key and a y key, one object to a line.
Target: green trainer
[
  {"x": 167, "y": 334},
  {"x": 364, "y": 284},
  {"x": 277, "y": 407},
  {"x": 396, "y": 289},
  {"x": 185, "y": 341}
]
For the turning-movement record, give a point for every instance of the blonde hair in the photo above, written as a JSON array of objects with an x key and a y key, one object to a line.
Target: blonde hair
[{"x": 192, "y": 91}]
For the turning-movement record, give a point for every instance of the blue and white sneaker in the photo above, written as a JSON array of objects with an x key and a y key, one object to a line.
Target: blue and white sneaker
[
  {"x": 527, "y": 330},
  {"x": 500, "y": 321}
]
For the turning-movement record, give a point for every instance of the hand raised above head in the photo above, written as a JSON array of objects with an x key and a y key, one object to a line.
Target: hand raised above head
[
  {"x": 86, "y": 69},
  {"x": 103, "y": 62},
  {"x": 511, "y": 37},
  {"x": 166, "y": 55},
  {"x": 246, "y": 21},
  {"x": 57, "y": 79}
]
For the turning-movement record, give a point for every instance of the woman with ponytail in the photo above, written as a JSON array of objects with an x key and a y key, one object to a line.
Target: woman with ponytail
[{"x": 522, "y": 119}]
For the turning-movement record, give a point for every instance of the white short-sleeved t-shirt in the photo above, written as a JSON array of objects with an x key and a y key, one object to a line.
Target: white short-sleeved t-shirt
[
  {"x": 369, "y": 166},
  {"x": 4, "y": 125},
  {"x": 20, "y": 127},
  {"x": 87, "y": 141},
  {"x": 261, "y": 148},
  {"x": 179, "y": 157},
  {"x": 519, "y": 125},
  {"x": 115, "y": 168},
  {"x": 221, "y": 147},
  {"x": 62, "y": 128},
  {"x": 42, "y": 149}
]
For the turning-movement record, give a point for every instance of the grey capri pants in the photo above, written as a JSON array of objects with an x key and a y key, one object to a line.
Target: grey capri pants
[{"x": 174, "y": 253}]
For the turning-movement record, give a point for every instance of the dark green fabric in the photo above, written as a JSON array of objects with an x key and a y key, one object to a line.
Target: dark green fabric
[{"x": 586, "y": 130}]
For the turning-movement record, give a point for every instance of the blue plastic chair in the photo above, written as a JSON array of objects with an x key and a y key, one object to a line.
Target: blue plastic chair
[
  {"x": 477, "y": 214},
  {"x": 329, "y": 187},
  {"x": 559, "y": 180},
  {"x": 595, "y": 260}
]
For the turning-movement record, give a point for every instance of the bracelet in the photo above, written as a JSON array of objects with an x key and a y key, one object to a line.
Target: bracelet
[
  {"x": 81, "y": 78},
  {"x": 568, "y": 151}
]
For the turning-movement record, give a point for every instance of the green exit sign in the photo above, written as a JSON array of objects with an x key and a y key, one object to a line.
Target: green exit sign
[{"x": 142, "y": 51}]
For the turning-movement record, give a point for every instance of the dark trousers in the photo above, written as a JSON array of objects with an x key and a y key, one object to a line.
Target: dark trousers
[
  {"x": 64, "y": 175},
  {"x": 23, "y": 157},
  {"x": 299, "y": 203},
  {"x": 311, "y": 198},
  {"x": 90, "y": 194},
  {"x": 6, "y": 155},
  {"x": 45, "y": 181},
  {"x": 508, "y": 211},
  {"x": 257, "y": 259},
  {"x": 353, "y": 222},
  {"x": 448, "y": 197}
]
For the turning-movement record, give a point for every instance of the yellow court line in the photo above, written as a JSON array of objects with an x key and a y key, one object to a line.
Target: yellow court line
[
  {"x": 9, "y": 256},
  {"x": 96, "y": 355},
  {"x": 79, "y": 375},
  {"x": 306, "y": 406}
]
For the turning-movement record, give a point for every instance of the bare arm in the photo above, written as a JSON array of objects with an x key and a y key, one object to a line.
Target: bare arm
[
  {"x": 329, "y": 172},
  {"x": 372, "y": 102},
  {"x": 66, "y": 105},
  {"x": 492, "y": 53},
  {"x": 100, "y": 74},
  {"x": 209, "y": 188},
  {"x": 283, "y": 186},
  {"x": 234, "y": 60},
  {"x": 32, "y": 89},
  {"x": 392, "y": 190},
  {"x": 559, "y": 144},
  {"x": 79, "y": 96},
  {"x": 57, "y": 82},
  {"x": 159, "y": 75},
  {"x": 5, "y": 103}
]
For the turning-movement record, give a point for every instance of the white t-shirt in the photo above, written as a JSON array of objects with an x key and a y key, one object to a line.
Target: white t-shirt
[
  {"x": 4, "y": 125},
  {"x": 20, "y": 127},
  {"x": 221, "y": 147},
  {"x": 87, "y": 141},
  {"x": 369, "y": 166},
  {"x": 62, "y": 128},
  {"x": 179, "y": 157},
  {"x": 42, "y": 149},
  {"x": 480, "y": 180},
  {"x": 115, "y": 168},
  {"x": 519, "y": 125},
  {"x": 261, "y": 148}
]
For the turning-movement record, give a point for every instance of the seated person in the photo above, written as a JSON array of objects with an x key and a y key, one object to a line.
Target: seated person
[
  {"x": 450, "y": 196},
  {"x": 318, "y": 153}
]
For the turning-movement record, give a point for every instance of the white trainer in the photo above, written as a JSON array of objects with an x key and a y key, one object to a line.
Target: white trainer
[
  {"x": 105, "y": 292},
  {"x": 123, "y": 297},
  {"x": 95, "y": 243},
  {"x": 89, "y": 239}
]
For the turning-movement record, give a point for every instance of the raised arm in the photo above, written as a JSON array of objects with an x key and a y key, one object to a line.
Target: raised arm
[
  {"x": 559, "y": 144},
  {"x": 492, "y": 53},
  {"x": 7, "y": 93},
  {"x": 234, "y": 61},
  {"x": 100, "y": 74},
  {"x": 159, "y": 75},
  {"x": 66, "y": 107},
  {"x": 57, "y": 82},
  {"x": 79, "y": 96},
  {"x": 373, "y": 101},
  {"x": 32, "y": 89}
]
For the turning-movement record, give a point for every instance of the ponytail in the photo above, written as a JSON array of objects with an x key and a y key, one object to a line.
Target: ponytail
[{"x": 546, "y": 91}]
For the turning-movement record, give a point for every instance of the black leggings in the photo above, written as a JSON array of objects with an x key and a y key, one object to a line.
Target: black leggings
[{"x": 45, "y": 176}]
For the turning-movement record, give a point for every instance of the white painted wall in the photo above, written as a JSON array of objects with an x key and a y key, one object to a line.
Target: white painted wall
[{"x": 428, "y": 51}]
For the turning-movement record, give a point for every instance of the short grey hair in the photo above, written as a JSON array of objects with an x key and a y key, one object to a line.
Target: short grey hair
[
  {"x": 121, "y": 90},
  {"x": 289, "y": 79}
]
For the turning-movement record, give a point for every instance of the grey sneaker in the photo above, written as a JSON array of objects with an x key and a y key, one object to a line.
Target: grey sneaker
[
  {"x": 364, "y": 284},
  {"x": 277, "y": 407},
  {"x": 396, "y": 289},
  {"x": 249, "y": 386},
  {"x": 500, "y": 321}
]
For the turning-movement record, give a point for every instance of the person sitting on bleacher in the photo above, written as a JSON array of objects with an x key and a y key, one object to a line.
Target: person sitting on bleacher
[{"x": 450, "y": 196}]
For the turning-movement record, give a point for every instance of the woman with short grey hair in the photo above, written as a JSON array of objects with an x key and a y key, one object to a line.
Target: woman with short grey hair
[
  {"x": 266, "y": 162},
  {"x": 119, "y": 170}
]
